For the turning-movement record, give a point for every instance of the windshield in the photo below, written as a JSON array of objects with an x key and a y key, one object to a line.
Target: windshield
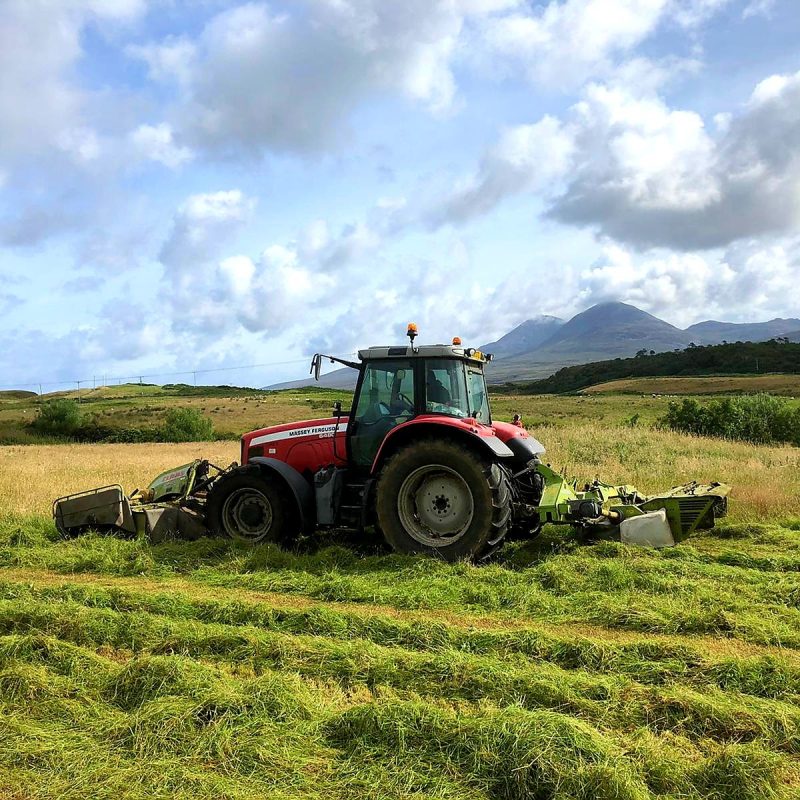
[{"x": 454, "y": 389}]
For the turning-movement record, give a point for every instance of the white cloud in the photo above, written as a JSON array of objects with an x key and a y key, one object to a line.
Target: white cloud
[
  {"x": 651, "y": 175},
  {"x": 526, "y": 158},
  {"x": 81, "y": 144},
  {"x": 563, "y": 43},
  {"x": 280, "y": 292},
  {"x": 238, "y": 81},
  {"x": 636, "y": 170},
  {"x": 170, "y": 59},
  {"x": 241, "y": 78},
  {"x": 40, "y": 104},
  {"x": 756, "y": 8},
  {"x": 202, "y": 226},
  {"x": 750, "y": 281},
  {"x": 157, "y": 143}
]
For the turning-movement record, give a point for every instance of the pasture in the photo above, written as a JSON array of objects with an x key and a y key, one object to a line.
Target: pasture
[{"x": 337, "y": 670}]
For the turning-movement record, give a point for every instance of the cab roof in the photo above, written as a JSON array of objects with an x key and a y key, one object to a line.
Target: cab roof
[{"x": 424, "y": 351}]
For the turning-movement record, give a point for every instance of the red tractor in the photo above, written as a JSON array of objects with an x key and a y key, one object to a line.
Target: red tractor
[{"x": 418, "y": 457}]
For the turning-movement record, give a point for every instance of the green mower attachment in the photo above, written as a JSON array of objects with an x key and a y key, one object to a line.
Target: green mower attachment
[
  {"x": 658, "y": 520},
  {"x": 172, "y": 504}
]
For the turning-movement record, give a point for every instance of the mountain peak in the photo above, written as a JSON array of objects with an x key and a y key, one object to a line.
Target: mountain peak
[{"x": 528, "y": 335}]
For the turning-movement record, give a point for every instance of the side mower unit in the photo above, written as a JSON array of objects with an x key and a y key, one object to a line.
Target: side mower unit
[{"x": 173, "y": 503}]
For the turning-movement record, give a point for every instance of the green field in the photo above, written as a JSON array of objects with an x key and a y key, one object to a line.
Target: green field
[{"x": 337, "y": 670}]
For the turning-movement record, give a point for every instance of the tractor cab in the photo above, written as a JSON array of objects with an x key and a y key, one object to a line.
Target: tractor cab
[{"x": 399, "y": 384}]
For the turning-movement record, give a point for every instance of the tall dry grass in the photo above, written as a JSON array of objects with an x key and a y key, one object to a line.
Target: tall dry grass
[
  {"x": 32, "y": 476},
  {"x": 765, "y": 480}
]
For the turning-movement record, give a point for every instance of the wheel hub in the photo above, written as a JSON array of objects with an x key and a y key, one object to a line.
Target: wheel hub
[
  {"x": 435, "y": 505},
  {"x": 247, "y": 515}
]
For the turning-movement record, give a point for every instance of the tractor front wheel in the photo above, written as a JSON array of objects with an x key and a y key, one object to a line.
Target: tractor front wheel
[
  {"x": 440, "y": 498},
  {"x": 249, "y": 507}
]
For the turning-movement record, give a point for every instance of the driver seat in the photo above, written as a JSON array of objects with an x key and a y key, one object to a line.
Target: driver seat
[{"x": 437, "y": 393}]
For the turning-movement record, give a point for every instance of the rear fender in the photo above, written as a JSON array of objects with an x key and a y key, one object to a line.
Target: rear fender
[
  {"x": 298, "y": 486},
  {"x": 481, "y": 438}
]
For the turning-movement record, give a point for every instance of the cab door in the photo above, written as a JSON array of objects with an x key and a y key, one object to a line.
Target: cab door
[{"x": 385, "y": 398}]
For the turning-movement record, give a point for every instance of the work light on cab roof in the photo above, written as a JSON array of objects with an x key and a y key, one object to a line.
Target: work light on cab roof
[{"x": 417, "y": 459}]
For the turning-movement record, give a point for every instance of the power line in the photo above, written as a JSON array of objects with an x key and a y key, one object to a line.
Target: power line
[{"x": 138, "y": 378}]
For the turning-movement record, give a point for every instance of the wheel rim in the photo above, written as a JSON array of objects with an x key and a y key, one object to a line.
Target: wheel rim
[
  {"x": 247, "y": 515},
  {"x": 435, "y": 505}
]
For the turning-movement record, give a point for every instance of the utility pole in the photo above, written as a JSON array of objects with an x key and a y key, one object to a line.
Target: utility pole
[
  {"x": 40, "y": 390},
  {"x": 79, "y": 390},
  {"x": 195, "y": 378}
]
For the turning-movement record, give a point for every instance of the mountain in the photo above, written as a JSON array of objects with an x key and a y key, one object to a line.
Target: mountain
[
  {"x": 542, "y": 345},
  {"x": 611, "y": 329},
  {"x": 713, "y": 332},
  {"x": 606, "y": 330},
  {"x": 525, "y": 337},
  {"x": 344, "y": 378}
]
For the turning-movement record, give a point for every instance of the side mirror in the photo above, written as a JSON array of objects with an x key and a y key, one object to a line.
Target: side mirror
[{"x": 337, "y": 408}]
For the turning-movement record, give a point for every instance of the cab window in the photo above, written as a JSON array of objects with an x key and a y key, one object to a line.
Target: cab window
[
  {"x": 478, "y": 401},
  {"x": 445, "y": 388},
  {"x": 386, "y": 400}
]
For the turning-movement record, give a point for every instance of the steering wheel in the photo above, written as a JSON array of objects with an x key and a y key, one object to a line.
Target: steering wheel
[
  {"x": 376, "y": 413},
  {"x": 409, "y": 403}
]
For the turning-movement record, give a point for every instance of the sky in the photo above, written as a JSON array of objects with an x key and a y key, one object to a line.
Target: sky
[{"x": 212, "y": 191}]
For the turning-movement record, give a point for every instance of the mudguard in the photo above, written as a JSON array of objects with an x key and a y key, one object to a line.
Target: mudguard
[
  {"x": 480, "y": 435},
  {"x": 301, "y": 490}
]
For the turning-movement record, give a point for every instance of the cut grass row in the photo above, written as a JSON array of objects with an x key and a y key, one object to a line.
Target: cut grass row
[
  {"x": 149, "y": 703},
  {"x": 694, "y": 589},
  {"x": 132, "y": 670},
  {"x": 159, "y": 726}
]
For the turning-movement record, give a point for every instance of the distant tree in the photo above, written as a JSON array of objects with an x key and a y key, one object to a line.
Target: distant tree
[
  {"x": 187, "y": 425},
  {"x": 60, "y": 417}
]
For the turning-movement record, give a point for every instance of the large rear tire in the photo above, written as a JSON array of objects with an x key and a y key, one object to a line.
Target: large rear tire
[
  {"x": 438, "y": 497},
  {"x": 251, "y": 507}
]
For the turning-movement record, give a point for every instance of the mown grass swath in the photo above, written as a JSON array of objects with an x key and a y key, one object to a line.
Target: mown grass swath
[{"x": 204, "y": 669}]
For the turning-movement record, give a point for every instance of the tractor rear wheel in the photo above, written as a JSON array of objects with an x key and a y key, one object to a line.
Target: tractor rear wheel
[
  {"x": 438, "y": 497},
  {"x": 250, "y": 507}
]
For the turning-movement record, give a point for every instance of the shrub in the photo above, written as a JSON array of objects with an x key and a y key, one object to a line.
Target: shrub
[
  {"x": 760, "y": 418},
  {"x": 187, "y": 425},
  {"x": 60, "y": 417}
]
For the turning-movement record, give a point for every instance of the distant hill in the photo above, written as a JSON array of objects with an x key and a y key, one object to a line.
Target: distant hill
[
  {"x": 602, "y": 331},
  {"x": 525, "y": 337},
  {"x": 740, "y": 358},
  {"x": 772, "y": 383},
  {"x": 344, "y": 378},
  {"x": 713, "y": 332},
  {"x": 611, "y": 329}
]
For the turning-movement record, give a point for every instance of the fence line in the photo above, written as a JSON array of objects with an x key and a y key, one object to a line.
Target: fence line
[{"x": 139, "y": 377}]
